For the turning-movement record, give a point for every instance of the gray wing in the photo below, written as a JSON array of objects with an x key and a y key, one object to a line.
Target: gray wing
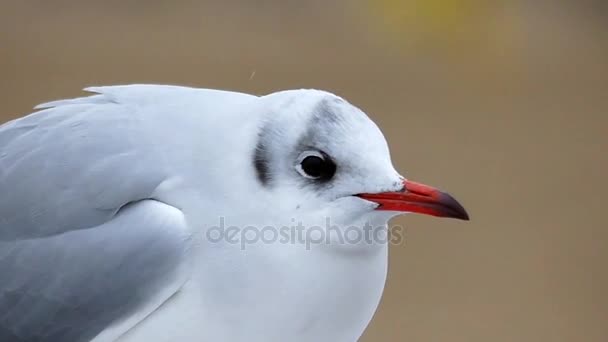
[
  {"x": 72, "y": 286},
  {"x": 84, "y": 240},
  {"x": 73, "y": 166}
]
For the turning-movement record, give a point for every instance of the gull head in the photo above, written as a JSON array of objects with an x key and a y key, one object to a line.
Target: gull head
[{"x": 317, "y": 157}]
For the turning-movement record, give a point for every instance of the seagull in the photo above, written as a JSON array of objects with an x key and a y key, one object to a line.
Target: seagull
[{"x": 145, "y": 213}]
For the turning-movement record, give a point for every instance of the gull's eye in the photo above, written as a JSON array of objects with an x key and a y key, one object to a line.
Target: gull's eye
[{"x": 316, "y": 165}]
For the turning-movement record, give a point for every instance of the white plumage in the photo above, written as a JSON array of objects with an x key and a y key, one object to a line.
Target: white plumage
[{"x": 108, "y": 200}]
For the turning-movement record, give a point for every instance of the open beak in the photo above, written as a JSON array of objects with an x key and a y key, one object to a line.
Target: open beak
[{"x": 418, "y": 198}]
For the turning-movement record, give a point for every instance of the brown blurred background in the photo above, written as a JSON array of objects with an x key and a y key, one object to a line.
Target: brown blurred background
[{"x": 504, "y": 104}]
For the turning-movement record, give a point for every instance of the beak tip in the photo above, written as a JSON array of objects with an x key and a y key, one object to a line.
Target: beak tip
[
  {"x": 464, "y": 217},
  {"x": 456, "y": 210}
]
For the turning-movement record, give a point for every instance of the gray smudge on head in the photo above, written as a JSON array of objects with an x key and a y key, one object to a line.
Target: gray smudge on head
[
  {"x": 326, "y": 112},
  {"x": 325, "y": 116},
  {"x": 261, "y": 158}
]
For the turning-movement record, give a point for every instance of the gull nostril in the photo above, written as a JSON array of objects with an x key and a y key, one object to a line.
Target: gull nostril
[{"x": 400, "y": 184}]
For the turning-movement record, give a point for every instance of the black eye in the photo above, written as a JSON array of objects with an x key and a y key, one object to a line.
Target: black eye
[{"x": 316, "y": 165}]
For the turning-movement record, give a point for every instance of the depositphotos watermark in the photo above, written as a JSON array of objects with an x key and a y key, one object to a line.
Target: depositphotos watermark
[{"x": 300, "y": 234}]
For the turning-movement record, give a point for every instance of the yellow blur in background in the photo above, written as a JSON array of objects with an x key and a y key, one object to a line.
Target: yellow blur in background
[
  {"x": 440, "y": 20},
  {"x": 503, "y": 104}
]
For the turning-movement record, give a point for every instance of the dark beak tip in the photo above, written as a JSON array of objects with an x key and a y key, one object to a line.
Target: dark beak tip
[
  {"x": 458, "y": 214},
  {"x": 457, "y": 211},
  {"x": 464, "y": 216}
]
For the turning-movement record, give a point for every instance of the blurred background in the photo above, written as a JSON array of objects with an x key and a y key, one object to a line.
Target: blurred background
[{"x": 503, "y": 104}]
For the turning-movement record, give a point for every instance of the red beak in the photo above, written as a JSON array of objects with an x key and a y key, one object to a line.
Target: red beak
[{"x": 419, "y": 198}]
